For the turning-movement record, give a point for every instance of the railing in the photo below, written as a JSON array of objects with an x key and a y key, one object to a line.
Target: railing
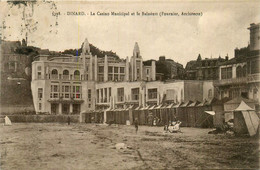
[
  {"x": 54, "y": 76},
  {"x": 65, "y": 77},
  {"x": 76, "y": 77},
  {"x": 253, "y": 78}
]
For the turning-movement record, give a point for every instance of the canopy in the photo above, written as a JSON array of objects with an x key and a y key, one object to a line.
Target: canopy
[{"x": 210, "y": 112}]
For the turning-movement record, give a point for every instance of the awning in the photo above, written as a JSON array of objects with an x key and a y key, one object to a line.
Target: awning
[
  {"x": 152, "y": 107},
  {"x": 170, "y": 106},
  {"x": 211, "y": 112},
  {"x": 158, "y": 107}
]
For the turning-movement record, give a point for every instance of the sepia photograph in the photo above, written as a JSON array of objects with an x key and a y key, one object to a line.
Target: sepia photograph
[{"x": 129, "y": 84}]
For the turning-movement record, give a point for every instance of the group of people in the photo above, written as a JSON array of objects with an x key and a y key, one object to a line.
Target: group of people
[{"x": 173, "y": 127}]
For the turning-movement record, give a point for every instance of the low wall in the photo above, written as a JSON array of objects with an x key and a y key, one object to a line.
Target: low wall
[{"x": 43, "y": 118}]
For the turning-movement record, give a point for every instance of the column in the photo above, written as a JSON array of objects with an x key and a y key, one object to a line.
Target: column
[
  {"x": 95, "y": 69},
  {"x": 71, "y": 108},
  {"x": 153, "y": 72},
  {"x": 141, "y": 69},
  {"x": 104, "y": 95},
  {"x": 127, "y": 69},
  {"x": 99, "y": 95},
  {"x": 105, "y": 69},
  {"x": 60, "y": 108},
  {"x": 90, "y": 68},
  {"x": 132, "y": 69},
  {"x": 234, "y": 71}
]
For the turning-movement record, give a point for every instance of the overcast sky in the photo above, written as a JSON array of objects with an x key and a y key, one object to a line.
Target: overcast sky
[{"x": 221, "y": 28}]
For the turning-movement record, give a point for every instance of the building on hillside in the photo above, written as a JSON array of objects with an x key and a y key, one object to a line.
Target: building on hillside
[
  {"x": 239, "y": 76},
  {"x": 67, "y": 84},
  {"x": 170, "y": 68},
  {"x": 203, "y": 69}
]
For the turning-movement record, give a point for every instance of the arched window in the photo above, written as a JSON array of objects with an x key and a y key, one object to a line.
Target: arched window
[
  {"x": 54, "y": 71},
  {"x": 54, "y": 74},
  {"x": 76, "y": 73},
  {"x": 65, "y": 72}
]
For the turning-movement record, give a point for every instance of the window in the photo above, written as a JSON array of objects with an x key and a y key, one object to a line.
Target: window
[
  {"x": 66, "y": 74},
  {"x": 65, "y": 91},
  {"x": 122, "y": 70},
  {"x": 89, "y": 94},
  {"x": 40, "y": 106},
  {"x": 54, "y": 71},
  {"x": 54, "y": 74},
  {"x": 39, "y": 68},
  {"x": 147, "y": 71},
  {"x": 101, "y": 77},
  {"x": 39, "y": 75},
  {"x": 54, "y": 91},
  {"x": 226, "y": 73},
  {"x": 105, "y": 98},
  {"x": 110, "y": 69},
  {"x": 101, "y": 69},
  {"x": 77, "y": 75},
  {"x": 122, "y": 77},
  {"x": 120, "y": 94},
  {"x": 40, "y": 91},
  {"x": 135, "y": 94},
  {"x": 110, "y": 77},
  {"x": 152, "y": 93},
  {"x": 76, "y": 90},
  {"x": 115, "y": 69},
  {"x": 116, "y": 77}
]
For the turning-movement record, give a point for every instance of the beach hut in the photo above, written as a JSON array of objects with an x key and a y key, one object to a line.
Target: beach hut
[
  {"x": 182, "y": 113},
  {"x": 191, "y": 114}
]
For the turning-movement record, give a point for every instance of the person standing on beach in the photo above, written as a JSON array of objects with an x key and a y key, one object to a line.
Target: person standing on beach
[
  {"x": 68, "y": 120},
  {"x": 136, "y": 125}
]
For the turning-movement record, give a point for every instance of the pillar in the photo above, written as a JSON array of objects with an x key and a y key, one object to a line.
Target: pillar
[
  {"x": 234, "y": 71},
  {"x": 141, "y": 69},
  {"x": 95, "y": 69},
  {"x": 90, "y": 68},
  {"x": 153, "y": 71},
  {"x": 60, "y": 108},
  {"x": 71, "y": 108},
  {"x": 105, "y": 69},
  {"x": 127, "y": 69},
  {"x": 105, "y": 117}
]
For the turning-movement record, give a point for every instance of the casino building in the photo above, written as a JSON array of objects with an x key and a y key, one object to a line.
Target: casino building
[{"x": 67, "y": 84}]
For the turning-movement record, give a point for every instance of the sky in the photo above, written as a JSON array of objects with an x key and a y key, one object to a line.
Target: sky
[{"x": 221, "y": 28}]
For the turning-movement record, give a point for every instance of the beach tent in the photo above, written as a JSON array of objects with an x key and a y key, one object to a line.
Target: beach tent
[
  {"x": 7, "y": 121},
  {"x": 245, "y": 120},
  {"x": 234, "y": 103}
]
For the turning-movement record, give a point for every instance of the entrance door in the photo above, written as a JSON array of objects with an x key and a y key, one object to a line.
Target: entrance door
[
  {"x": 54, "y": 108},
  {"x": 65, "y": 108},
  {"x": 76, "y": 108}
]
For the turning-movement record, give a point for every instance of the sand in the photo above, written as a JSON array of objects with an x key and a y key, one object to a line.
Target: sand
[{"x": 90, "y": 146}]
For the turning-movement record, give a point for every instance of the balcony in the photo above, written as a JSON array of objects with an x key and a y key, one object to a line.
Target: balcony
[
  {"x": 253, "y": 78},
  {"x": 76, "y": 77},
  {"x": 231, "y": 81},
  {"x": 65, "y": 77}
]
